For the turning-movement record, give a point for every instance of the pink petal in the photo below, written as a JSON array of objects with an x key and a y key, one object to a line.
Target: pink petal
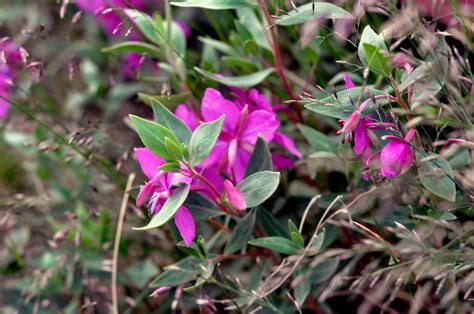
[
  {"x": 395, "y": 158},
  {"x": 214, "y": 105},
  {"x": 217, "y": 156},
  {"x": 148, "y": 161},
  {"x": 240, "y": 165},
  {"x": 361, "y": 139},
  {"x": 287, "y": 143},
  {"x": 185, "y": 223},
  {"x": 146, "y": 192},
  {"x": 282, "y": 162},
  {"x": 235, "y": 196},
  {"x": 349, "y": 83},
  {"x": 187, "y": 116},
  {"x": 260, "y": 122},
  {"x": 260, "y": 100}
]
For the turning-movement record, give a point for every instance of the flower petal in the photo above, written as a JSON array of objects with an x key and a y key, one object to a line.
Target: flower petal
[
  {"x": 361, "y": 139},
  {"x": 214, "y": 105},
  {"x": 260, "y": 122},
  {"x": 187, "y": 116},
  {"x": 149, "y": 162},
  {"x": 287, "y": 143},
  {"x": 395, "y": 158},
  {"x": 185, "y": 223},
  {"x": 281, "y": 162},
  {"x": 349, "y": 83}
]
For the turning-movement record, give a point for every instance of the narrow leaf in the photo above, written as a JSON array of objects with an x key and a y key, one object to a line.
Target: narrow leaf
[
  {"x": 313, "y": 10},
  {"x": 215, "y": 4},
  {"x": 166, "y": 118},
  {"x": 153, "y": 136},
  {"x": 241, "y": 234},
  {"x": 171, "y": 206},
  {"x": 261, "y": 158},
  {"x": 277, "y": 244},
  {"x": 238, "y": 81},
  {"x": 203, "y": 140}
]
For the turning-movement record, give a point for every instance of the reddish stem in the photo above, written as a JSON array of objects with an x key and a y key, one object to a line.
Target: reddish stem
[{"x": 279, "y": 66}]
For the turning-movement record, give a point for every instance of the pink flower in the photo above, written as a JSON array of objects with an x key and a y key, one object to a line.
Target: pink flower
[
  {"x": 159, "y": 187},
  {"x": 240, "y": 131},
  {"x": 362, "y": 138},
  {"x": 235, "y": 196},
  {"x": 5, "y": 90},
  {"x": 397, "y": 156},
  {"x": 256, "y": 101}
]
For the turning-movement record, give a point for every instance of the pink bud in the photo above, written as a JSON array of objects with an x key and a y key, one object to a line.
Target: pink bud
[
  {"x": 235, "y": 196},
  {"x": 351, "y": 122},
  {"x": 160, "y": 291},
  {"x": 146, "y": 192}
]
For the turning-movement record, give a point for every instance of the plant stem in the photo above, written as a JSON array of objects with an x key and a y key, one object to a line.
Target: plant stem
[{"x": 279, "y": 66}]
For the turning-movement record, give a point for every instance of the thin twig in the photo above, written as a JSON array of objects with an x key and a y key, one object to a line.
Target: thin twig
[{"x": 118, "y": 234}]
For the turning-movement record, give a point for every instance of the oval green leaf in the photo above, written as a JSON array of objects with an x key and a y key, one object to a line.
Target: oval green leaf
[{"x": 258, "y": 187}]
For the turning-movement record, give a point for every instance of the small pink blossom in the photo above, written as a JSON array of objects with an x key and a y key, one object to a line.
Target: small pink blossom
[
  {"x": 159, "y": 187},
  {"x": 397, "y": 156},
  {"x": 235, "y": 196}
]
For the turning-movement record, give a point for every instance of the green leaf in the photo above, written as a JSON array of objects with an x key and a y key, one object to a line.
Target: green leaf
[
  {"x": 219, "y": 45},
  {"x": 201, "y": 208},
  {"x": 377, "y": 61},
  {"x": 342, "y": 107},
  {"x": 441, "y": 215},
  {"x": 238, "y": 81},
  {"x": 203, "y": 140},
  {"x": 145, "y": 23},
  {"x": 241, "y": 234},
  {"x": 324, "y": 270},
  {"x": 313, "y": 10},
  {"x": 372, "y": 38},
  {"x": 298, "y": 239},
  {"x": 142, "y": 272},
  {"x": 205, "y": 273},
  {"x": 169, "y": 101},
  {"x": 460, "y": 159},
  {"x": 178, "y": 273},
  {"x": 249, "y": 19},
  {"x": 317, "y": 243},
  {"x": 153, "y": 136},
  {"x": 436, "y": 175},
  {"x": 215, "y": 4},
  {"x": 166, "y": 118},
  {"x": 317, "y": 140},
  {"x": 258, "y": 187},
  {"x": 277, "y": 244},
  {"x": 170, "y": 167},
  {"x": 303, "y": 288},
  {"x": 261, "y": 158},
  {"x": 135, "y": 46},
  {"x": 292, "y": 227},
  {"x": 171, "y": 206},
  {"x": 173, "y": 149},
  {"x": 269, "y": 224}
]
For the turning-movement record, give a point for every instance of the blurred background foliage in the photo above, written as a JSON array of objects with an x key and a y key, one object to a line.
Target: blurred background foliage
[{"x": 65, "y": 154}]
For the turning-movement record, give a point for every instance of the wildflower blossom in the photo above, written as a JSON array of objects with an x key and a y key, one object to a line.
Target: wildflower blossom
[
  {"x": 159, "y": 187},
  {"x": 235, "y": 196},
  {"x": 240, "y": 131},
  {"x": 397, "y": 156}
]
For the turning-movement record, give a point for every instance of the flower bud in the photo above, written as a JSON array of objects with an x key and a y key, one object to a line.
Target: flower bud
[
  {"x": 351, "y": 123},
  {"x": 234, "y": 196}
]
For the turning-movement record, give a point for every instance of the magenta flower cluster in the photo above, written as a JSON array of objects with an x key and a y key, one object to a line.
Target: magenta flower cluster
[
  {"x": 12, "y": 56},
  {"x": 246, "y": 117},
  {"x": 108, "y": 17},
  {"x": 395, "y": 158}
]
